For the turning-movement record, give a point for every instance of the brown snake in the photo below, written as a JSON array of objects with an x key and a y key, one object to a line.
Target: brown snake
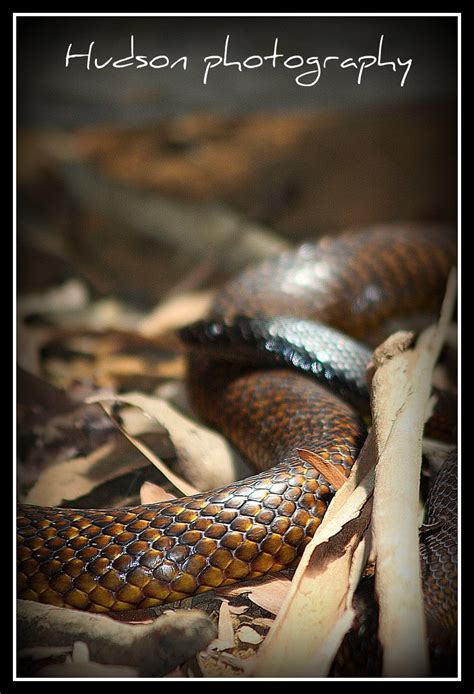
[{"x": 120, "y": 559}]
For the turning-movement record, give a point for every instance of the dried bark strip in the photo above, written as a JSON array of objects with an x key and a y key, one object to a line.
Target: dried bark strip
[
  {"x": 401, "y": 389},
  {"x": 317, "y": 611}
]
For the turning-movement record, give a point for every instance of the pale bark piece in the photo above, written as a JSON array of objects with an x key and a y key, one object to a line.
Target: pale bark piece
[
  {"x": 80, "y": 652},
  {"x": 153, "y": 649},
  {"x": 225, "y": 630},
  {"x": 401, "y": 389},
  {"x": 317, "y": 611},
  {"x": 303, "y": 641}
]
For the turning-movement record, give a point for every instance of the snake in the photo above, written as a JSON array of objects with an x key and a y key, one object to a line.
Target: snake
[{"x": 278, "y": 365}]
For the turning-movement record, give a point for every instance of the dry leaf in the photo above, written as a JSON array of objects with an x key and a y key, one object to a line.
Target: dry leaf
[
  {"x": 238, "y": 609},
  {"x": 248, "y": 635},
  {"x": 74, "y": 478},
  {"x": 205, "y": 459},
  {"x": 151, "y": 493},
  {"x": 225, "y": 630},
  {"x": 72, "y": 295},
  {"x": 333, "y": 475},
  {"x": 180, "y": 484},
  {"x": 267, "y": 592},
  {"x": 176, "y": 312}
]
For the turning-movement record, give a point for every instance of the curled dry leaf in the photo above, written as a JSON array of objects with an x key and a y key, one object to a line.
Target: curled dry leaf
[
  {"x": 181, "y": 485},
  {"x": 205, "y": 459}
]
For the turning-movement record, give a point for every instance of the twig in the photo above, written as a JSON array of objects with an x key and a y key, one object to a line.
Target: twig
[{"x": 154, "y": 649}]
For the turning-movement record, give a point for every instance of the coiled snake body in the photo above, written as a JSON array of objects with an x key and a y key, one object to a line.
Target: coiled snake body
[{"x": 119, "y": 559}]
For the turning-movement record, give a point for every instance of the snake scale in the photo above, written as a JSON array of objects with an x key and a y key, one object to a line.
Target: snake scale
[{"x": 271, "y": 315}]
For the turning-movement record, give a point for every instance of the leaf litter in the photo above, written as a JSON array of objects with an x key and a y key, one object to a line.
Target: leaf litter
[{"x": 79, "y": 333}]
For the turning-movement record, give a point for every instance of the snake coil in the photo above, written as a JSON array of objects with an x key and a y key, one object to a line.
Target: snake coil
[{"x": 147, "y": 555}]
